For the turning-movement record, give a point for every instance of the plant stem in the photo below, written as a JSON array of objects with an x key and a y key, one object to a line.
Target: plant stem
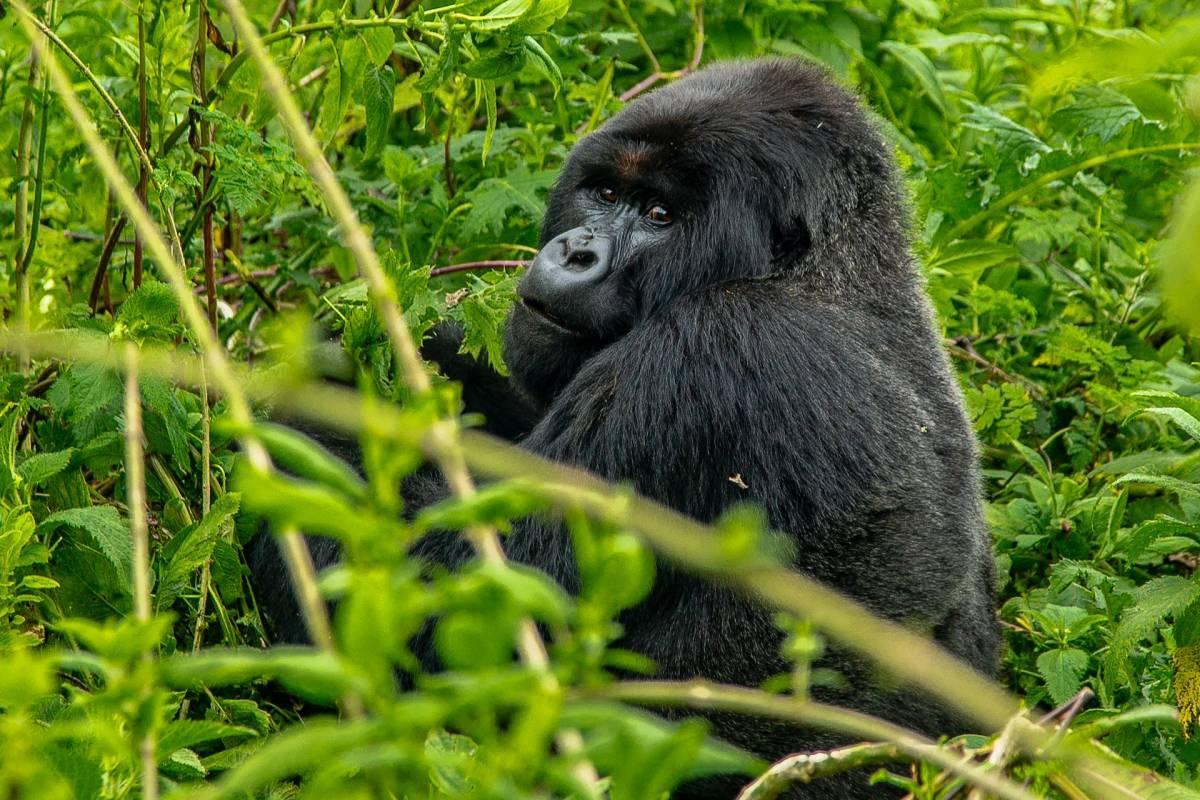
[
  {"x": 737, "y": 699},
  {"x": 444, "y": 435},
  {"x": 1000, "y": 206},
  {"x": 135, "y": 480},
  {"x": 143, "y": 138},
  {"x": 300, "y": 569},
  {"x": 21, "y": 205},
  {"x": 808, "y": 767},
  {"x": 201, "y": 142},
  {"x": 122, "y": 122}
]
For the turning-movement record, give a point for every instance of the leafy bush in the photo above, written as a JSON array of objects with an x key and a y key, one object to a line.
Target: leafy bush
[{"x": 1047, "y": 147}]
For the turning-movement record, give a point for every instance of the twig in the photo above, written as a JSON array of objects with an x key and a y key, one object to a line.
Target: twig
[
  {"x": 135, "y": 480},
  {"x": 658, "y": 74},
  {"x": 110, "y": 245},
  {"x": 21, "y": 203},
  {"x": 300, "y": 569},
  {"x": 143, "y": 138},
  {"x": 469, "y": 266},
  {"x": 201, "y": 140},
  {"x": 704, "y": 695},
  {"x": 808, "y": 767},
  {"x": 963, "y": 349},
  {"x": 443, "y": 437}
]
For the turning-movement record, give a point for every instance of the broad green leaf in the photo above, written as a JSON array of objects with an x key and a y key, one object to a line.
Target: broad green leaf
[
  {"x": 105, "y": 528},
  {"x": 918, "y": 65},
  {"x": 1153, "y": 602},
  {"x": 40, "y": 467},
  {"x": 379, "y": 84},
  {"x": 1097, "y": 111},
  {"x": 194, "y": 547},
  {"x": 1063, "y": 669}
]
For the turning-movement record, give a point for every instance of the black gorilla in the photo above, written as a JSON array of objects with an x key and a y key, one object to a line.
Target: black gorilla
[{"x": 725, "y": 308}]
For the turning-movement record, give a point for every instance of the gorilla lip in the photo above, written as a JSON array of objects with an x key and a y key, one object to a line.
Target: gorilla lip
[{"x": 539, "y": 310}]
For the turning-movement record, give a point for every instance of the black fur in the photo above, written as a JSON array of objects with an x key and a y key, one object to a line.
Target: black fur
[{"x": 781, "y": 334}]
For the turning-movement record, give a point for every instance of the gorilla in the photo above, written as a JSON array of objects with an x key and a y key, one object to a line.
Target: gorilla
[{"x": 725, "y": 308}]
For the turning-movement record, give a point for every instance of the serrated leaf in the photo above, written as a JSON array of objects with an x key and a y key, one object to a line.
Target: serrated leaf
[
  {"x": 106, "y": 529},
  {"x": 1012, "y": 142},
  {"x": 1153, "y": 602},
  {"x": 1183, "y": 419},
  {"x": 379, "y": 42},
  {"x": 194, "y": 547},
  {"x": 379, "y": 84},
  {"x": 188, "y": 733},
  {"x": 42, "y": 466},
  {"x": 523, "y": 16},
  {"x": 1097, "y": 111},
  {"x": 493, "y": 197},
  {"x": 1063, "y": 669}
]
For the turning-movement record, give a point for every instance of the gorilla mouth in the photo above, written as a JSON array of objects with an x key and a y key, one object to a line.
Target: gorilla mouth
[{"x": 539, "y": 310}]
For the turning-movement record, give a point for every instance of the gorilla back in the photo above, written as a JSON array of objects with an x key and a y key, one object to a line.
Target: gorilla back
[{"x": 725, "y": 308}]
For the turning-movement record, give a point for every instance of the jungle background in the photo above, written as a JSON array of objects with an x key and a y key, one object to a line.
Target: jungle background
[{"x": 1048, "y": 148}]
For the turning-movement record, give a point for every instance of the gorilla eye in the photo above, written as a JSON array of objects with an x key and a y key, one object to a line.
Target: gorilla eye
[
  {"x": 608, "y": 195},
  {"x": 659, "y": 215}
]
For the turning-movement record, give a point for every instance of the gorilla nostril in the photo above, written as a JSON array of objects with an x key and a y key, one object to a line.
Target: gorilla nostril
[{"x": 582, "y": 259}]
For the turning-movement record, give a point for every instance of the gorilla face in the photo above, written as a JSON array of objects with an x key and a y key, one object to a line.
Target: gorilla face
[{"x": 730, "y": 174}]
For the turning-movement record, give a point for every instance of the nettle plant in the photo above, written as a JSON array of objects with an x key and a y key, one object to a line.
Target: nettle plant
[{"x": 134, "y": 462}]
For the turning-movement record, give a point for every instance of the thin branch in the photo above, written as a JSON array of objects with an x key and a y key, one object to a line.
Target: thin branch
[
  {"x": 808, "y": 767},
  {"x": 144, "y": 166},
  {"x": 110, "y": 245},
  {"x": 658, "y": 74},
  {"x": 443, "y": 437},
  {"x": 740, "y": 700},
  {"x": 469, "y": 266},
  {"x": 135, "y": 480},
  {"x": 21, "y": 203},
  {"x": 301, "y": 572},
  {"x": 202, "y": 139},
  {"x": 1001, "y": 206},
  {"x": 963, "y": 349}
]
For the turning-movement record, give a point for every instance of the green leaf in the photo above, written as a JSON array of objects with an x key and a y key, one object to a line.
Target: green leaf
[
  {"x": 1012, "y": 142},
  {"x": 349, "y": 64},
  {"x": 493, "y": 197},
  {"x": 187, "y": 733},
  {"x": 1183, "y": 419},
  {"x": 40, "y": 467},
  {"x": 918, "y": 65},
  {"x": 379, "y": 41},
  {"x": 194, "y": 547},
  {"x": 106, "y": 529},
  {"x": 1063, "y": 670},
  {"x": 379, "y": 86},
  {"x": 523, "y": 16},
  {"x": 1097, "y": 111},
  {"x": 1153, "y": 602}
]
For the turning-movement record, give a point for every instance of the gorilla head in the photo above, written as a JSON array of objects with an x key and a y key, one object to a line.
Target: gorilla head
[{"x": 737, "y": 172}]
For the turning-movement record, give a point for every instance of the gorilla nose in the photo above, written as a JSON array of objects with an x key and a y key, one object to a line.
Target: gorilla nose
[
  {"x": 582, "y": 250},
  {"x": 559, "y": 284}
]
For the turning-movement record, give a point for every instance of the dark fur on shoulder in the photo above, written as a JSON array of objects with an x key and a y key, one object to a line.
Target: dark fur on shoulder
[{"x": 778, "y": 331}]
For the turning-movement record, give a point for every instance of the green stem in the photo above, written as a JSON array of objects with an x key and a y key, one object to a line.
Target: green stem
[
  {"x": 740, "y": 700},
  {"x": 808, "y": 767},
  {"x": 135, "y": 480},
  {"x": 1001, "y": 205},
  {"x": 122, "y": 122}
]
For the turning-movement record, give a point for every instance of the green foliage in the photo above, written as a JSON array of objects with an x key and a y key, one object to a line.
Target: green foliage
[{"x": 1047, "y": 149}]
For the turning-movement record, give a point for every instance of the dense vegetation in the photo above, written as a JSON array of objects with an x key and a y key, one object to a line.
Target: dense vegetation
[{"x": 1047, "y": 146}]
